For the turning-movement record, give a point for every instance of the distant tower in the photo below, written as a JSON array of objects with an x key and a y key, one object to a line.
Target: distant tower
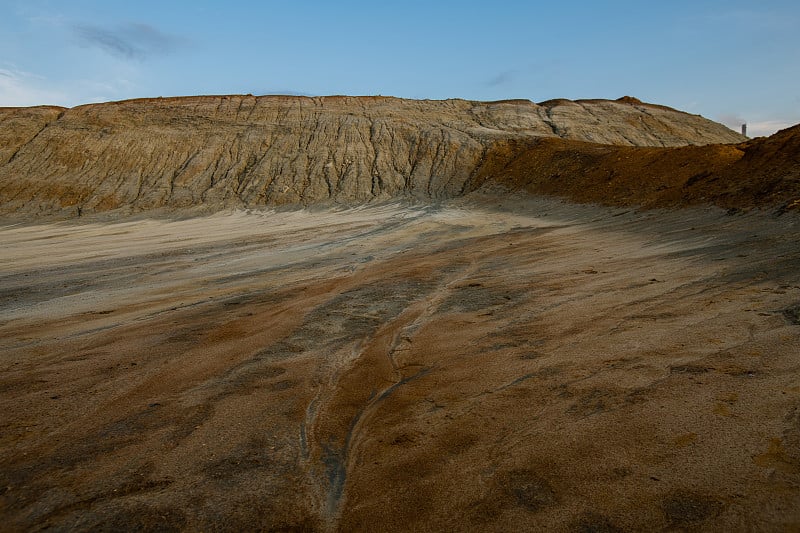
[{"x": 744, "y": 130}]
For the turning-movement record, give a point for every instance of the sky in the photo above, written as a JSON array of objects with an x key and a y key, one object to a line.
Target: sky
[{"x": 731, "y": 61}]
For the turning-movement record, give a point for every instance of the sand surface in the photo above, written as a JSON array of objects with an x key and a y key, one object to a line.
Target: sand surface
[{"x": 486, "y": 365}]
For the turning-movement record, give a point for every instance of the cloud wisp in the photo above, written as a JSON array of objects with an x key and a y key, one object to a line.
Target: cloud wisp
[
  {"x": 767, "y": 127},
  {"x": 733, "y": 121},
  {"x": 19, "y": 88},
  {"x": 755, "y": 128},
  {"x": 502, "y": 78},
  {"x": 133, "y": 41}
]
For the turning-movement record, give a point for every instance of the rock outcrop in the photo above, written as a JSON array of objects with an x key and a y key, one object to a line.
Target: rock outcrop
[{"x": 223, "y": 151}]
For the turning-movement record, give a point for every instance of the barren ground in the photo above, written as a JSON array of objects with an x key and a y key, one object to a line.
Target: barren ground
[{"x": 487, "y": 365}]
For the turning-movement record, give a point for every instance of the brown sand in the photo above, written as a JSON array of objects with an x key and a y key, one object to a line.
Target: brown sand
[{"x": 497, "y": 365}]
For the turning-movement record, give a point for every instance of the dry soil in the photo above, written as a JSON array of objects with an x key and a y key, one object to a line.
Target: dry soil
[{"x": 489, "y": 364}]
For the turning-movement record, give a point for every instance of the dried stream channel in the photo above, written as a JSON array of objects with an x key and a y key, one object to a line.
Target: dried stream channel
[{"x": 489, "y": 364}]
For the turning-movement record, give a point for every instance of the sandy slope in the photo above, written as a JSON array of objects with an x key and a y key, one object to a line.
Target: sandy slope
[{"x": 489, "y": 365}]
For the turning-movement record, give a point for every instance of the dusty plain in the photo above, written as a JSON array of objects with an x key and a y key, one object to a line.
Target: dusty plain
[{"x": 494, "y": 363}]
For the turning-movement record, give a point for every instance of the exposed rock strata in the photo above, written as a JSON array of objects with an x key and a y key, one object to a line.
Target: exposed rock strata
[{"x": 221, "y": 151}]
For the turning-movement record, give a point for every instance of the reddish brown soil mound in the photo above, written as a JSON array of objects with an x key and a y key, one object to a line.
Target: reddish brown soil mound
[{"x": 758, "y": 173}]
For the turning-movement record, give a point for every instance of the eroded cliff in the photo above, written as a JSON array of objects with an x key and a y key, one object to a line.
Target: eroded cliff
[{"x": 223, "y": 151}]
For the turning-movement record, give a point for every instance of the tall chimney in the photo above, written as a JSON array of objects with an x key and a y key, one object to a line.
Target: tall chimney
[{"x": 744, "y": 129}]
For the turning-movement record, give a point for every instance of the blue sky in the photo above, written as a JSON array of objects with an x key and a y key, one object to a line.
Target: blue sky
[{"x": 731, "y": 61}]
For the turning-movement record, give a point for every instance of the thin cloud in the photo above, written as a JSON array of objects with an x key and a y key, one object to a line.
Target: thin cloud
[
  {"x": 19, "y": 88},
  {"x": 503, "y": 78},
  {"x": 133, "y": 41},
  {"x": 732, "y": 120},
  {"x": 767, "y": 127},
  {"x": 755, "y": 128}
]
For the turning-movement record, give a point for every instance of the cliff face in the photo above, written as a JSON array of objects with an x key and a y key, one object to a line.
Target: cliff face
[{"x": 225, "y": 151}]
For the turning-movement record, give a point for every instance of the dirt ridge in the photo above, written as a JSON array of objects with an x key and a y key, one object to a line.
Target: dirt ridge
[{"x": 246, "y": 151}]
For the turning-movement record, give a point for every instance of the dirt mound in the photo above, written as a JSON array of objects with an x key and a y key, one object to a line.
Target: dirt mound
[
  {"x": 245, "y": 151},
  {"x": 768, "y": 172},
  {"x": 630, "y": 100},
  {"x": 224, "y": 151},
  {"x": 759, "y": 173}
]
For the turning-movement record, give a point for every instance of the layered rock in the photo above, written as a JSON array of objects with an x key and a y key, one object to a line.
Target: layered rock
[{"x": 222, "y": 151}]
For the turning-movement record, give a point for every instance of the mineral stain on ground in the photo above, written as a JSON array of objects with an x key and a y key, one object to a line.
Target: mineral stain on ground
[{"x": 489, "y": 366}]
